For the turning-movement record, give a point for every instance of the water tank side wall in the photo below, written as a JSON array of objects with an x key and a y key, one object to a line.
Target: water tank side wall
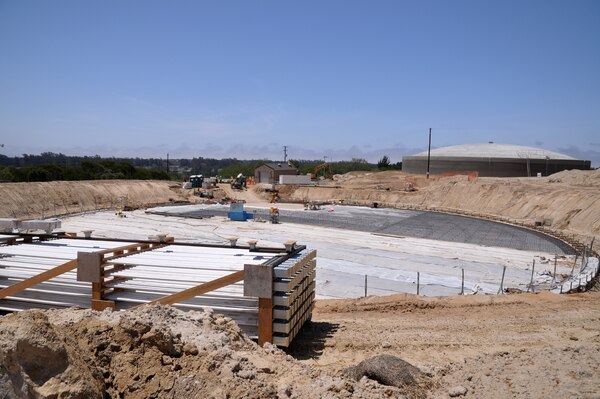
[{"x": 492, "y": 167}]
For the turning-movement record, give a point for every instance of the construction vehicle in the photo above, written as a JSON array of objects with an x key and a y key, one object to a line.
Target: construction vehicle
[
  {"x": 326, "y": 170},
  {"x": 239, "y": 183},
  {"x": 196, "y": 181}
]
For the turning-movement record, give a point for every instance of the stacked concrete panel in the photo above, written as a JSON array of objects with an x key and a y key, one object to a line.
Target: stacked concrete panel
[
  {"x": 47, "y": 225},
  {"x": 268, "y": 292},
  {"x": 293, "y": 296}
]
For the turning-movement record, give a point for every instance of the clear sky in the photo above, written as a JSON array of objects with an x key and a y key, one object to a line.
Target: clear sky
[{"x": 330, "y": 78}]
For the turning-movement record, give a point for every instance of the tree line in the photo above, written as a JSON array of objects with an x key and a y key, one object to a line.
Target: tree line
[
  {"x": 87, "y": 170},
  {"x": 50, "y": 166}
]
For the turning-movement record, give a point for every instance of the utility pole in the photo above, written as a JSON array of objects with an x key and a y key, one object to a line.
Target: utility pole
[
  {"x": 167, "y": 162},
  {"x": 284, "y": 153},
  {"x": 429, "y": 153}
]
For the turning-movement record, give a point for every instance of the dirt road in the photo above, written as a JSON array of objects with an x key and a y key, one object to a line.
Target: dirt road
[
  {"x": 514, "y": 346},
  {"x": 248, "y": 195}
]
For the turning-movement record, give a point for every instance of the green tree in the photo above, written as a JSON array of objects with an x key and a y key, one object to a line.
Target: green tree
[
  {"x": 384, "y": 162},
  {"x": 6, "y": 175}
]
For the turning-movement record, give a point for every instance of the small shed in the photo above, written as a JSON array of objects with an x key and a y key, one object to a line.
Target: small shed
[{"x": 270, "y": 172}]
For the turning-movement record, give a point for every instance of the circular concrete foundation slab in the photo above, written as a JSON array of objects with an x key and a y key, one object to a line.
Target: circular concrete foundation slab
[{"x": 418, "y": 224}]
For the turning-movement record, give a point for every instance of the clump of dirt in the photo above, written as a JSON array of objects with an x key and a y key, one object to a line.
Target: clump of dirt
[
  {"x": 393, "y": 371},
  {"x": 34, "y": 361},
  {"x": 154, "y": 352}
]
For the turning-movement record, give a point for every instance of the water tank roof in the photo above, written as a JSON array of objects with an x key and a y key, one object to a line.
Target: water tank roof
[{"x": 493, "y": 150}]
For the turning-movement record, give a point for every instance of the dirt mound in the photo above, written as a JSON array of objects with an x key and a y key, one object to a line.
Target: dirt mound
[
  {"x": 577, "y": 178},
  {"x": 38, "y": 200},
  {"x": 154, "y": 352}
]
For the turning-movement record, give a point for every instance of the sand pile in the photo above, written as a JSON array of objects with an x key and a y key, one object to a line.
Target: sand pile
[
  {"x": 35, "y": 200},
  {"x": 154, "y": 352}
]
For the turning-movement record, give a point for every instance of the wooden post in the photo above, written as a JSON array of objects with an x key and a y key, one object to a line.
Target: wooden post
[
  {"x": 462, "y": 285},
  {"x": 265, "y": 320},
  {"x": 258, "y": 282},
  {"x": 365, "y": 285}
]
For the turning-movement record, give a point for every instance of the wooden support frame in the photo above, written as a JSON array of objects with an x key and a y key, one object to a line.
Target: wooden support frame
[
  {"x": 99, "y": 286},
  {"x": 199, "y": 289},
  {"x": 39, "y": 278},
  {"x": 278, "y": 294},
  {"x": 100, "y": 305}
]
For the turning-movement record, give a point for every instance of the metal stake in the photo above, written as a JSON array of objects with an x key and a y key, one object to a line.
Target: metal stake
[
  {"x": 418, "y": 282},
  {"x": 554, "y": 274},
  {"x": 428, "y": 153},
  {"x": 531, "y": 282},
  {"x": 501, "y": 289}
]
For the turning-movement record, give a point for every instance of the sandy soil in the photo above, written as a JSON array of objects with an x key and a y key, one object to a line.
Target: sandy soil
[
  {"x": 154, "y": 352},
  {"x": 512, "y": 346},
  {"x": 39, "y": 200}
]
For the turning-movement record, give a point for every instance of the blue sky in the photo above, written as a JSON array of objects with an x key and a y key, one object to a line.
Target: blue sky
[{"x": 340, "y": 79}]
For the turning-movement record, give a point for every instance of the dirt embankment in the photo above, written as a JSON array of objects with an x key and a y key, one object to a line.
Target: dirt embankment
[
  {"x": 38, "y": 200},
  {"x": 154, "y": 352},
  {"x": 568, "y": 201}
]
